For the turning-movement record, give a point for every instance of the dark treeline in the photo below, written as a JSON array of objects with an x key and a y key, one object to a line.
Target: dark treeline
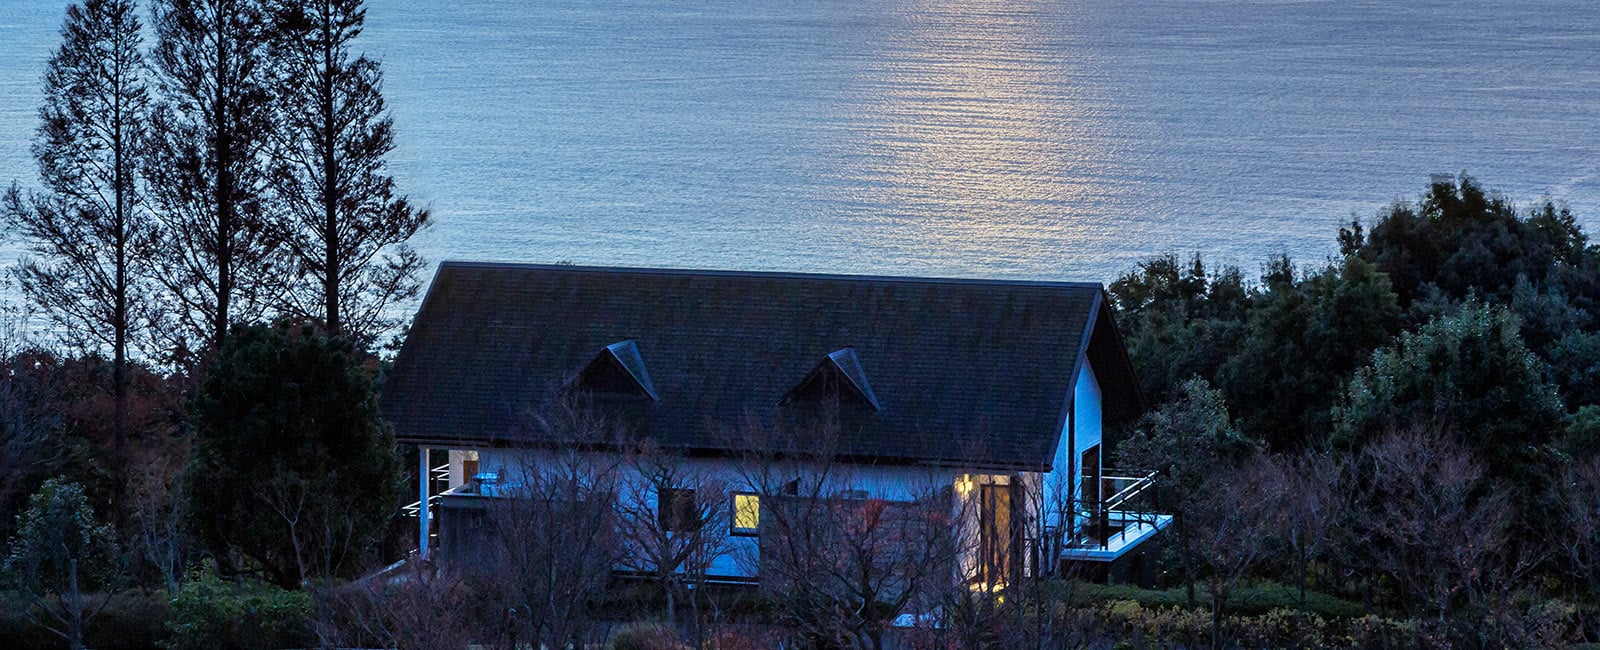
[
  {"x": 1412, "y": 424},
  {"x": 208, "y": 170}
]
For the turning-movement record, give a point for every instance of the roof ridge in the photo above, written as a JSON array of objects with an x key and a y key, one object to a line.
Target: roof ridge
[{"x": 798, "y": 275}]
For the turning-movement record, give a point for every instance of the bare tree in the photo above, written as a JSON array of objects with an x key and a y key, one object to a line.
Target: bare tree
[
  {"x": 206, "y": 169},
  {"x": 342, "y": 221},
  {"x": 89, "y": 233},
  {"x": 421, "y": 607},
  {"x": 1577, "y": 497},
  {"x": 842, "y": 563},
  {"x": 1309, "y": 505},
  {"x": 672, "y": 517},
  {"x": 551, "y": 545},
  {"x": 1424, "y": 522},
  {"x": 1230, "y": 524},
  {"x": 160, "y": 539}
]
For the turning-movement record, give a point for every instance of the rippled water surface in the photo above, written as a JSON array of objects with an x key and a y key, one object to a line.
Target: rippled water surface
[{"x": 1016, "y": 138}]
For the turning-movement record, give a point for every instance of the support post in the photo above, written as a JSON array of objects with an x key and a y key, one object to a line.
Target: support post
[{"x": 423, "y": 478}]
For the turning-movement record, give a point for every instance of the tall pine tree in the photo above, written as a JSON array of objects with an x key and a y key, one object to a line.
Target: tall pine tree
[
  {"x": 341, "y": 219},
  {"x": 207, "y": 169},
  {"x": 88, "y": 231}
]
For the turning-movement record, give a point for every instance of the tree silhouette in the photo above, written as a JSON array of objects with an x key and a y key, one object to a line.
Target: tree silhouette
[
  {"x": 206, "y": 169},
  {"x": 89, "y": 230},
  {"x": 340, "y": 218}
]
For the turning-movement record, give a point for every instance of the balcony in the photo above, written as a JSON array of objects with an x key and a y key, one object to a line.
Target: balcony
[{"x": 1119, "y": 522}]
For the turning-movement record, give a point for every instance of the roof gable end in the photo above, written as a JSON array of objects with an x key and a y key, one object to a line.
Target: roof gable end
[
  {"x": 838, "y": 375},
  {"x": 617, "y": 370}
]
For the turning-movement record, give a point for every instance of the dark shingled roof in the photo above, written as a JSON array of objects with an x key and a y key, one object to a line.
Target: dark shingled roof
[{"x": 967, "y": 372}]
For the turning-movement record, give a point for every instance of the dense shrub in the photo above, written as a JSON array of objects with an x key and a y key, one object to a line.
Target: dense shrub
[
  {"x": 210, "y": 613},
  {"x": 1136, "y": 626},
  {"x": 645, "y": 636}
]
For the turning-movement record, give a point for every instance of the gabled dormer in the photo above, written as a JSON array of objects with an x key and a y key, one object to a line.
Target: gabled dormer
[
  {"x": 616, "y": 371},
  {"x": 837, "y": 376}
]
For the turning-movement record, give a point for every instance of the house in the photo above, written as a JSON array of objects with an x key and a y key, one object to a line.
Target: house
[{"x": 998, "y": 392}]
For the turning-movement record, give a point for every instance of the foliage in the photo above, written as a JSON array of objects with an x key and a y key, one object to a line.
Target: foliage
[
  {"x": 292, "y": 467},
  {"x": 59, "y": 554},
  {"x": 1469, "y": 242},
  {"x": 1469, "y": 374},
  {"x": 212, "y": 613},
  {"x": 1179, "y": 322},
  {"x": 1302, "y": 336},
  {"x": 1184, "y": 438}
]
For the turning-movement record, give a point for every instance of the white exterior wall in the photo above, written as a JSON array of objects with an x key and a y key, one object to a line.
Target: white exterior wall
[
  {"x": 1063, "y": 484},
  {"x": 897, "y": 483},
  {"x": 1086, "y": 410}
]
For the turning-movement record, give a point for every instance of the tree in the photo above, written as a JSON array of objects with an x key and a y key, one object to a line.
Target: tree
[
  {"x": 842, "y": 562},
  {"x": 1229, "y": 521},
  {"x": 89, "y": 230},
  {"x": 293, "y": 468},
  {"x": 1467, "y": 241},
  {"x": 1179, "y": 322},
  {"x": 553, "y": 542},
  {"x": 216, "y": 259},
  {"x": 1423, "y": 520},
  {"x": 675, "y": 547},
  {"x": 60, "y": 552},
  {"x": 1185, "y": 442},
  {"x": 429, "y": 609},
  {"x": 30, "y": 448},
  {"x": 1469, "y": 374},
  {"x": 1308, "y": 507},
  {"x": 341, "y": 220},
  {"x": 1578, "y": 493},
  {"x": 1303, "y": 336}
]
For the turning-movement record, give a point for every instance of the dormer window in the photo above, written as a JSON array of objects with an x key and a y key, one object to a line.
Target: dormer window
[
  {"x": 837, "y": 376},
  {"x": 617, "y": 371}
]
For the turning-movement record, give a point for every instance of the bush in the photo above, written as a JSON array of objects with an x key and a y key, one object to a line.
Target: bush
[
  {"x": 1258, "y": 598},
  {"x": 131, "y": 621},
  {"x": 1136, "y": 626},
  {"x": 210, "y": 613},
  {"x": 645, "y": 636}
]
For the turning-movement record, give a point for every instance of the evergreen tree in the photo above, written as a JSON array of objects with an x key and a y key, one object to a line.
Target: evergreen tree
[
  {"x": 1469, "y": 374},
  {"x": 59, "y": 553},
  {"x": 1186, "y": 441},
  {"x": 1303, "y": 337},
  {"x": 292, "y": 468},
  {"x": 206, "y": 169},
  {"x": 89, "y": 229},
  {"x": 341, "y": 218}
]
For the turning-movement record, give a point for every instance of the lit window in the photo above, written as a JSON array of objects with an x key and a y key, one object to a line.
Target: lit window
[{"x": 746, "y": 513}]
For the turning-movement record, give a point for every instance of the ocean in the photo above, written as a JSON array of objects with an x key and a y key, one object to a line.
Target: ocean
[{"x": 1063, "y": 139}]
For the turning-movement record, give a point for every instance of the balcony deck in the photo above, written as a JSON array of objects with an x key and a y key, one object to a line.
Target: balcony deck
[{"x": 1117, "y": 524}]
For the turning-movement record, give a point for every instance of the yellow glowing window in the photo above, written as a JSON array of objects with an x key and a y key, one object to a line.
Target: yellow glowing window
[{"x": 746, "y": 513}]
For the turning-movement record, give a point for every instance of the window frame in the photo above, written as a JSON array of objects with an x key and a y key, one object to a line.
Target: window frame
[
  {"x": 733, "y": 518},
  {"x": 673, "y": 517}
]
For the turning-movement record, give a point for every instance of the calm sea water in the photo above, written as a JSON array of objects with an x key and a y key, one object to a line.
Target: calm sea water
[{"x": 1056, "y": 139}]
